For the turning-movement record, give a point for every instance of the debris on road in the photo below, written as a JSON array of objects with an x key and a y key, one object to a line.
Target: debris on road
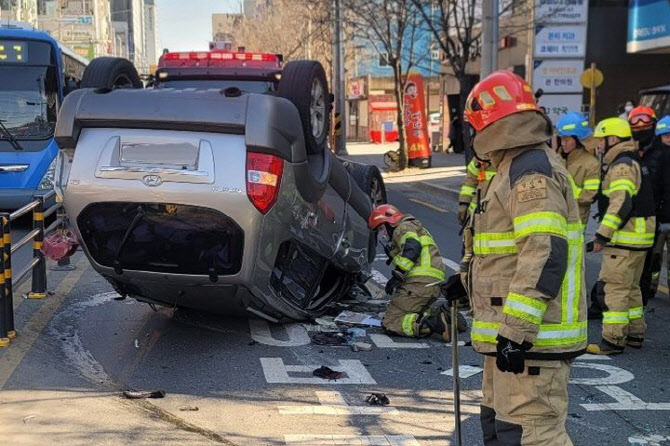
[
  {"x": 328, "y": 338},
  {"x": 349, "y": 317},
  {"x": 189, "y": 408},
  {"x": 28, "y": 418},
  {"x": 377, "y": 399},
  {"x": 140, "y": 394},
  {"x": 327, "y": 373},
  {"x": 361, "y": 347},
  {"x": 356, "y": 332}
]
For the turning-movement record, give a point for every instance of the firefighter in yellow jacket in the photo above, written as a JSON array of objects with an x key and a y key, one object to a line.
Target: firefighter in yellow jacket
[
  {"x": 478, "y": 174},
  {"x": 414, "y": 283},
  {"x": 625, "y": 233},
  {"x": 527, "y": 275},
  {"x": 584, "y": 168}
]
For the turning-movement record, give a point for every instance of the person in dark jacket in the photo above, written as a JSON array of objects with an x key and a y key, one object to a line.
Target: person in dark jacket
[
  {"x": 660, "y": 153},
  {"x": 642, "y": 121}
]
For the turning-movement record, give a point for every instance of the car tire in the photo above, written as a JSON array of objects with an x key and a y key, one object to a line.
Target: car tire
[
  {"x": 369, "y": 179},
  {"x": 304, "y": 83},
  {"x": 110, "y": 73}
]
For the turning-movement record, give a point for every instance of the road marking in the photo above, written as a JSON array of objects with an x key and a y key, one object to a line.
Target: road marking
[
  {"x": 615, "y": 376},
  {"x": 378, "y": 277},
  {"x": 332, "y": 403},
  {"x": 430, "y": 205},
  {"x": 649, "y": 440},
  {"x": 384, "y": 341},
  {"x": 276, "y": 372},
  {"x": 451, "y": 264},
  {"x": 464, "y": 371},
  {"x": 347, "y": 440},
  {"x": 262, "y": 333},
  {"x": 31, "y": 331},
  {"x": 590, "y": 357},
  {"x": 624, "y": 401}
]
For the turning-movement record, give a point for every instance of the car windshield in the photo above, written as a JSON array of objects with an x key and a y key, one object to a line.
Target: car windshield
[
  {"x": 28, "y": 97},
  {"x": 219, "y": 84}
]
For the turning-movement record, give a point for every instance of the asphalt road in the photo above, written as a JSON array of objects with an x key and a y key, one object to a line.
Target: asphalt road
[{"x": 252, "y": 384}]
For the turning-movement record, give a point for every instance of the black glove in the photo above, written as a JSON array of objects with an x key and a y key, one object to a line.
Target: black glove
[
  {"x": 511, "y": 356},
  {"x": 394, "y": 282},
  {"x": 452, "y": 289}
]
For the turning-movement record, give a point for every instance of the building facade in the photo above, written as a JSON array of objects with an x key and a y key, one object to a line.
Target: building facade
[{"x": 19, "y": 10}]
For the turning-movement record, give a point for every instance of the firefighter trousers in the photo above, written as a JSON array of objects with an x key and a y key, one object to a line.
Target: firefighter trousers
[
  {"x": 407, "y": 307},
  {"x": 528, "y": 409},
  {"x": 623, "y": 313}
]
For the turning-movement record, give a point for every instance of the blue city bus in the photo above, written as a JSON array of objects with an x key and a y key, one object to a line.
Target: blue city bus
[{"x": 36, "y": 72}]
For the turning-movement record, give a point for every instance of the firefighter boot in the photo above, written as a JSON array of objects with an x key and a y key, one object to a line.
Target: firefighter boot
[
  {"x": 437, "y": 322},
  {"x": 604, "y": 348}
]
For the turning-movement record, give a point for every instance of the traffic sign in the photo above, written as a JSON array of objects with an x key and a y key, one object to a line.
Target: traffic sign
[{"x": 592, "y": 76}]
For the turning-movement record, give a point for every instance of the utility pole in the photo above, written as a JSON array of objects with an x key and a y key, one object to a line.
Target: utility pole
[
  {"x": 338, "y": 84},
  {"x": 530, "y": 51},
  {"x": 489, "y": 38}
]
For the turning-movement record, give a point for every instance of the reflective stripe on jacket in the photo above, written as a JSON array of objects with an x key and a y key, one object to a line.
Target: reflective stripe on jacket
[
  {"x": 527, "y": 276},
  {"x": 469, "y": 187},
  {"x": 428, "y": 268}
]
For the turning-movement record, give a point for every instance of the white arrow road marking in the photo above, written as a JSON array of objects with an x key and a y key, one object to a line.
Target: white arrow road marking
[
  {"x": 450, "y": 264},
  {"x": 332, "y": 403},
  {"x": 276, "y": 372},
  {"x": 378, "y": 277},
  {"x": 347, "y": 440},
  {"x": 384, "y": 341},
  {"x": 590, "y": 357},
  {"x": 464, "y": 371},
  {"x": 649, "y": 440},
  {"x": 615, "y": 376},
  {"x": 261, "y": 332},
  {"x": 624, "y": 401}
]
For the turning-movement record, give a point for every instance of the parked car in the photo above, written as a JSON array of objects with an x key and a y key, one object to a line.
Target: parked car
[{"x": 224, "y": 200}]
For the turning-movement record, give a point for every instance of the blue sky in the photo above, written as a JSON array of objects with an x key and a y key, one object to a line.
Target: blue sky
[{"x": 185, "y": 25}]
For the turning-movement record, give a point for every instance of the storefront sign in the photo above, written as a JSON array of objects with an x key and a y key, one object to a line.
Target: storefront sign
[
  {"x": 557, "y": 105},
  {"x": 415, "y": 121},
  {"x": 560, "y": 41},
  {"x": 558, "y": 76},
  {"x": 648, "y": 25},
  {"x": 561, "y": 11}
]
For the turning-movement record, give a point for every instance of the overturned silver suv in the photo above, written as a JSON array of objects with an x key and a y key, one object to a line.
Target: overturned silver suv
[{"x": 218, "y": 199}]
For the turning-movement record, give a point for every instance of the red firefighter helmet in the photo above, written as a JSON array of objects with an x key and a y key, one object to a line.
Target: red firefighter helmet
[
  {"x": 500, "y": 94},
  {"x": 641, "y": 118},
  {"x": 384, "y": 213}
]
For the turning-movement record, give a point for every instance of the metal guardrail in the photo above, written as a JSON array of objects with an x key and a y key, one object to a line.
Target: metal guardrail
[{"x": 36, "y": 267}]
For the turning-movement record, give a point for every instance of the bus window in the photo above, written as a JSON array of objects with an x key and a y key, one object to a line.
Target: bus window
[{"x": 28, "y": 100}]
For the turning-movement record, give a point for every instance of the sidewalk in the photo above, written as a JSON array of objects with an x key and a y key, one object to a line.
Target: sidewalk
[{"x": 444, "y": 176}]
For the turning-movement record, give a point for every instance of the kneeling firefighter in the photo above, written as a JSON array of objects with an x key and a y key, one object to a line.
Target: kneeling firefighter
[
  {"x": 414, "y": 283},
  {"x": 527, "y": 274}
]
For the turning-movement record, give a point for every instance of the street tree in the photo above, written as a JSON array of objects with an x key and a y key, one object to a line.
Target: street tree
[{"x": 393, "y": 29}]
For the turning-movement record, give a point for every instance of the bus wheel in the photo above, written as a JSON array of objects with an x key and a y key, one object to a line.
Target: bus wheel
[{"x": 111, "y": 73}]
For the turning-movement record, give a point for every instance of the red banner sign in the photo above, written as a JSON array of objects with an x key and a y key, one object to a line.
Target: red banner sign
[{"x": 416, "y": 126}]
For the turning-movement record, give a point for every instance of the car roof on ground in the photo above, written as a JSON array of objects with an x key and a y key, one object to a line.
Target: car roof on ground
[{"x": 659, "y": 89}]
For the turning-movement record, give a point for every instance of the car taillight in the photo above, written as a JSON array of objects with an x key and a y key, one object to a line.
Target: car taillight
[{"x": 263, "y": 179}]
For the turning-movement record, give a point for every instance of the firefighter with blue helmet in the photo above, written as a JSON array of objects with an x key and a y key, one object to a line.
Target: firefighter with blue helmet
[{"x": 584, "y": 168}]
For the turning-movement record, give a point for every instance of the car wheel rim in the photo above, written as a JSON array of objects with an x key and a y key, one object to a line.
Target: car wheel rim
[
  {"x": 317, "y": 109},
  {"x": 376, "y": 192},
  {"x": 122, "y": 82}
]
